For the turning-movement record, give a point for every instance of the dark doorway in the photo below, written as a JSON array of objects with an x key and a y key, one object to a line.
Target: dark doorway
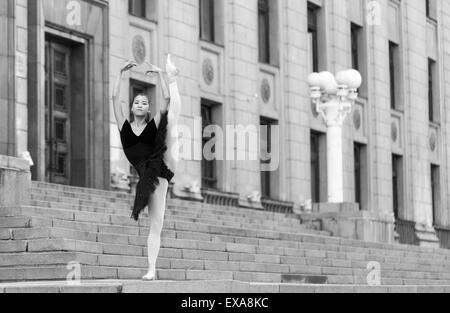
[
  {"x": 66, "y": 122},
  {"x": 57, "y": 113}
]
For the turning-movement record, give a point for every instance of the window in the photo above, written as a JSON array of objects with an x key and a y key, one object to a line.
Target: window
[
  {"x": 267, "y": 177},
  {"x": 394, "y": 75},
  {"x": 359, "y": 171},
  {"x": 431, "y": 9},
  {"x": 397, "y": 185},
  {"x": 137, "y": 8},
  {"x": 318, "y": 167},
  {"x": 207, "y": 28},
  {"x": 313, "y": 34},
  {"x": 435, "y": 193},
  {"x": 60, "y": 63},
  {"x": 212, "y": 21},
  {"x": 61, "y": 164},
  {"x": 355, "y": 30},
  {"x": 60, "y": 97},
  {"x": 433, "y": 105},
  {"x": 60, "y": 130},
  {"x": 143, "y": 9},
  {"x": 358, "y": 55},
  {"x": 264, "y": 31},
  {"x": 209, "y": 168}
]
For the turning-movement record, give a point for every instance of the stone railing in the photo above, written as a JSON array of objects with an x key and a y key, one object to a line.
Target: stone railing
[
  {"x": 278, "y": 206},
  {"x": 443, "y": 234},
  {"x": 406, "y": 232},
  {"x": 215, "y": 197}
]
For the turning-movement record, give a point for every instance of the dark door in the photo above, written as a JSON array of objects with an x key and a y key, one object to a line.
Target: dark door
[{"x": 57, "y": 112}]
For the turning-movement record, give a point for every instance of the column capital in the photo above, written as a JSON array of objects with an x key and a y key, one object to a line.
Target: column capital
[{"x": 334, "y": 111}]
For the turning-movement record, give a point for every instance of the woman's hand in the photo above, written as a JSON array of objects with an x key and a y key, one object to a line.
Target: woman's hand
[
  {"x": 128, "y": 66},
  {"x": 153, "y": 69}
]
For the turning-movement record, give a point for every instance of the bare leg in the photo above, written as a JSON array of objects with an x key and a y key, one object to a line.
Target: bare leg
[
  {"x": 157, "y": 208},
  {"x": 171, "y": 157}
]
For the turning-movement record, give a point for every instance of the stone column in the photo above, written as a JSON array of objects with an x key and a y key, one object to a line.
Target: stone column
[
  {"x": 7, "y": 81},
  {"x": 334, "y": 113},
  {"x": 15, "y": 181},
  {"x": 36, "y": 88}
]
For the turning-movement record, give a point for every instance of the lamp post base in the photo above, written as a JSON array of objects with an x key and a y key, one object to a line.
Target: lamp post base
[{"x": 345, "y": 220}]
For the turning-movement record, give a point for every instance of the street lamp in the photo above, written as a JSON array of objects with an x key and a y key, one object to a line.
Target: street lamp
[{"x": 334, "y": 98}]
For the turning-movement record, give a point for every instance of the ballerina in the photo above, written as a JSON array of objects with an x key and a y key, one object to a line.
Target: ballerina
[{"x": 151, "y": 146}]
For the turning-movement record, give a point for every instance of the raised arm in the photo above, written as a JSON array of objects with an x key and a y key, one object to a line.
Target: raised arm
[{"x": 118, "y": 111}]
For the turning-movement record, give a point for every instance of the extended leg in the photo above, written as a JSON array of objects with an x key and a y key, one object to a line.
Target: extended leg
[{"x": 172, "y": 155}]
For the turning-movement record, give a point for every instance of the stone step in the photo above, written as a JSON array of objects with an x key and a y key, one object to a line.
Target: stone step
[
  {"x": 94, "y": 287},
  {"x": 121, "y": 198},
  {"x": 126, "y": 221},
  {"x": 267, "y": 288},
  {"x": 198, "y": 213},
  {"x": 238, "y": 212},
  {"x": 289, "y": 272},
  {"x": 100, "y": 192},
  {"x": 242, "y": 236},
  {"x": 207, "y": 287},
  {"x": 400, "y": 249},
  {"x": 185, "y": 233},
  {"x": 69, "y": 240},
  {"x": 59, "y": 272},
  {"x": 206, "y": 214},
  {"x": 222, "y": 233},
  {"x": 183, "y": 203}
]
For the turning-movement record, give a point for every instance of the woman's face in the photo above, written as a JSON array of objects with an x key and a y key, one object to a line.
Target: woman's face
[{"x": 141, "y": 106}]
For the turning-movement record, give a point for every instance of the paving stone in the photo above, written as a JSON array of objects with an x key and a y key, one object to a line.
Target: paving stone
[{"x": 13, "y": 246}]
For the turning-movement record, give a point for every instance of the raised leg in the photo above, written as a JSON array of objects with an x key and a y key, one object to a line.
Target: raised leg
[{"x": 172, "y": 157}]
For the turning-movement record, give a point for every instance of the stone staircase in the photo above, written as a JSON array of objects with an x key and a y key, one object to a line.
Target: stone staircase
[{"x": 205, "y": 248}]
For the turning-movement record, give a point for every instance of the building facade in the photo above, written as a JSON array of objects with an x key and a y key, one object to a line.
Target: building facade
[{"x": 243, "y": 62}]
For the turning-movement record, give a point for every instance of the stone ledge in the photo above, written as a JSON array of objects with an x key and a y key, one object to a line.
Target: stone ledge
[
  {"x": 346, "y": 221},
  {"x": 15, "y": 181},
  {"x": 14, "y": 164}
]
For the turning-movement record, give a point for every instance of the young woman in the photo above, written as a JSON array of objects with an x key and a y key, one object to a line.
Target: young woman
[{"x": 151, "y": 146}]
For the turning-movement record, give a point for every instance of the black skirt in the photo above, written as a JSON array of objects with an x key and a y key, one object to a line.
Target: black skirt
[{"x": 151, "y": 169}]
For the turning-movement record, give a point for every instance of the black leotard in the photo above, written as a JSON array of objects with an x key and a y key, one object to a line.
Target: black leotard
[
  {"x": 146, "y": 154},
  {"x": 138, "y": 148}
]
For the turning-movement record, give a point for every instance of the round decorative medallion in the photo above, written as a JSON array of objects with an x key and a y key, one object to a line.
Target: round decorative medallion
[
  {"x": 139, "y": 52},
  {"x": 433, "y": 142},
  {"x": 265, "y": 91},
  {"x": 208, "y": 71},
  {"x": 394, "y": 132},
  {"x": 357, "y": 119}
]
